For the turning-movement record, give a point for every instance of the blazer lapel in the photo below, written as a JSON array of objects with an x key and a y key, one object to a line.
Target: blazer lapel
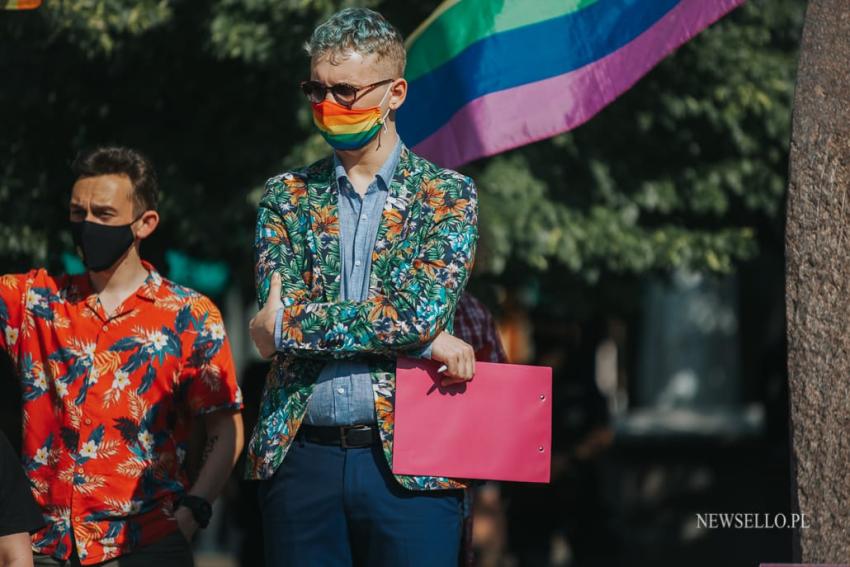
[
  {"x": 324, "y": 228},
  {"x": 402, "y": 193}
]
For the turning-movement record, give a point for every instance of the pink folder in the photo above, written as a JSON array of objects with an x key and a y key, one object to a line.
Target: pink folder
[{"x": 498, "y": 426}]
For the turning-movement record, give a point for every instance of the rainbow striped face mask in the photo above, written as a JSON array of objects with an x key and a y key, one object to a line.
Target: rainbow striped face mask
[{"x": 348, "y": 128}]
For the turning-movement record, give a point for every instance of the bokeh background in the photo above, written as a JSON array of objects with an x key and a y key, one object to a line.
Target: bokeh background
[{"x": 640, "y": 255}]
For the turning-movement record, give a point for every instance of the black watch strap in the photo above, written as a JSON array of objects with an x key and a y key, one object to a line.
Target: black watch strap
[{"x": 200, "y": 508}]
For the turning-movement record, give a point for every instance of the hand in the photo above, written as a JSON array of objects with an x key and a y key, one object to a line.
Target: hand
[
  {"x": 186, "y": 522},
  {"x": 262, "y": 325},
  {"x": 457, "y": 355}
]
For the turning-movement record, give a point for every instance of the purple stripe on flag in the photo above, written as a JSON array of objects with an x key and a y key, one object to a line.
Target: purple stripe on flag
[{"x": 507, "y": 119}]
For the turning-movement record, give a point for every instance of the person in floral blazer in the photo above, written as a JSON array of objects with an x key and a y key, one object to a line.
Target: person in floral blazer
[{"x": 424, "y": 246}]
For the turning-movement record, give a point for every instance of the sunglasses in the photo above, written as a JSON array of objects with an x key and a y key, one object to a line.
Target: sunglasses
[{"x": 343, "y": 93}]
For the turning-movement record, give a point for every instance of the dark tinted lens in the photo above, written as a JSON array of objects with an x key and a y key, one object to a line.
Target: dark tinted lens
[
  {"x": 344, "y": 93},
  {"x": 314, "y": 91}
]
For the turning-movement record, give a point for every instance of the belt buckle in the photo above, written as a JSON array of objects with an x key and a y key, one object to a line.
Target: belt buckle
[{"x": 343, "y": 431}]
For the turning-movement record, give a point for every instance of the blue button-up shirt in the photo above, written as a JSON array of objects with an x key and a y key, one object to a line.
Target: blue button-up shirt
[{"x": 343, "y": 393}]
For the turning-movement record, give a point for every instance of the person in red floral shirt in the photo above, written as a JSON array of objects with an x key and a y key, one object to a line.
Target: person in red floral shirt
[{"x": 115, "y": 365}]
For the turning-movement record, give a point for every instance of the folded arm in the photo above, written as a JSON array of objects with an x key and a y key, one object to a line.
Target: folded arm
[{"x": 419, "y": 288}]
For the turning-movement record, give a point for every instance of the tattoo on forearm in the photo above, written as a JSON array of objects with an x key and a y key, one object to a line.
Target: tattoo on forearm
[{"x": 208, "y": 448}]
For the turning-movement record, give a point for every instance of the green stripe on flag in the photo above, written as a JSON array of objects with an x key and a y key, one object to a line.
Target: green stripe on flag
[{"x": 460, "y": 23}]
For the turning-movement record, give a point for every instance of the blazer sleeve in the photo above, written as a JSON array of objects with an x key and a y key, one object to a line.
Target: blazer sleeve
[{"x": 275, "y": 250}]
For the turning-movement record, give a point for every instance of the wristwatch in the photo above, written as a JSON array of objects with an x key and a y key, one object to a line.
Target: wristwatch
[{"x": 200, "y": 508}]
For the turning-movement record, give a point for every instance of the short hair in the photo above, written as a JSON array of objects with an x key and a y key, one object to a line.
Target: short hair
[
  {"x": 362, "y": 30},
  {"x": 116, "y": 160}
]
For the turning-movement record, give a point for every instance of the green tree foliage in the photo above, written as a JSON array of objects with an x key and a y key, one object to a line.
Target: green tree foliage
[{"x": 685, "y": 170}]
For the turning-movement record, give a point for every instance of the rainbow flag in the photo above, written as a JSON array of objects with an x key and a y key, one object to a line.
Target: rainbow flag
[{"x": 487, "y": 76}]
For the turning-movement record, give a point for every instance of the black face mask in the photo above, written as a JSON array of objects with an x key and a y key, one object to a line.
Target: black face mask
[{"x": 101, "y": 244}]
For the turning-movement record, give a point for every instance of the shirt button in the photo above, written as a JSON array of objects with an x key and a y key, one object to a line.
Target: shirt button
[
  {"x": 357, "y": 262},
  {"x": 78, "y": 519},
  {"x": 104, "y": 328},
  {"x": 88, "y": 421},
  {"x": 364, "y": 217},
  {"x": 341, "y": 390}
]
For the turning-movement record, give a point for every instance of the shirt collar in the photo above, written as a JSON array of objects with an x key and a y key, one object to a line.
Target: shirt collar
[
  {"x": 385, "y": 174},
  {"x": 79, "y": 286},
  {"x": 153, "y": 282}
]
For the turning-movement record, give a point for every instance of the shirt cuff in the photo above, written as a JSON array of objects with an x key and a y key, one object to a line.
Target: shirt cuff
[{"x": 278, "y": 322}]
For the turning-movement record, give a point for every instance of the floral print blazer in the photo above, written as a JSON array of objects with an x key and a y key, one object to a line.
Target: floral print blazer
[{"x": 421, "y": 262}]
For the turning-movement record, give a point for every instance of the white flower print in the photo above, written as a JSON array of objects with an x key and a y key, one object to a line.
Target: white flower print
[
  {"x": 121, "y": 380},
  {"x": 89, "y": 450},
  {"x": 41, "y": 456},
  {"x": 158, "y": 341},
  {"x": 33, "y": 299},
  {"x": 109, "y": 550},
  {"x": 11, "y": 336},
  {"x": 217, "y": 331},
  {"x": 40, "y": 380},
  {"x": 146, "y": 439}
]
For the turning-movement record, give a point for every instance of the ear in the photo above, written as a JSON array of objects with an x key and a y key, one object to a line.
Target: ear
[
  {"x": 146, "y": 224},
  {"x": 398, "y": 94}
]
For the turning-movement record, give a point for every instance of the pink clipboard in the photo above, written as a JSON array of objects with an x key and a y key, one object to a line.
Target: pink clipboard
[{"x": 498, "y": 426}]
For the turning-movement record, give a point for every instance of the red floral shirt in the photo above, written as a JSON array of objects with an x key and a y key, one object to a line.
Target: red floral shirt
[{"x": 108, "y": 403}]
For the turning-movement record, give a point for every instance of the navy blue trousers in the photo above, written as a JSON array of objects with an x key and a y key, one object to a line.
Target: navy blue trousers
[{"x": 327, "y": 506}]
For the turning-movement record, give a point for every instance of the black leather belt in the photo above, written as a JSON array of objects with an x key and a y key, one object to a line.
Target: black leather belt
[{"x": 346, "y": 436}]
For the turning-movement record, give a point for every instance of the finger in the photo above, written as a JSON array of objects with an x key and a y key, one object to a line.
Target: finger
[
  {"x": 455, "y": 366},
  {"x": 470, "y": 363},
  {"x": 467, "y": 367},
  {"x": 275, "y": 291},
  {"x": 461, "y": 364},
  {"x": 451, "y": 381}
]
